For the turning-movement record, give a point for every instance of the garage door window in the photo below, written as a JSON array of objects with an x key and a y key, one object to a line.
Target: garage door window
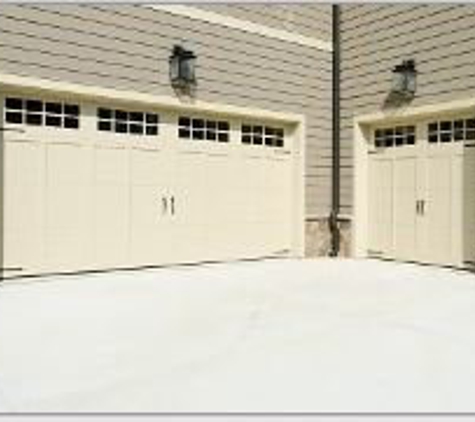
[
  {"x": 128, "y": 122},
  {"x": 394, "y": 136},
  {"x": 203, "y": 129},
  {"x": 262, "y": 135},
  {"x": 447, "y": 131},
  {"x": 37, "y": 113}
]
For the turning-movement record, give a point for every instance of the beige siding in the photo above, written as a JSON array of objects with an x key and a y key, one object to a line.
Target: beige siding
[
  {"x": 127, "y": 47},
  {"x": 311, "y": 20},
  {"x": 441, "y": 38}
]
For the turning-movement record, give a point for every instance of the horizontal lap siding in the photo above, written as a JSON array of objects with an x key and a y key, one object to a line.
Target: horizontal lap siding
[
  {"x": 127, "y": 47},
  {"x": 308, "y": 20},
  {"x": 375, "y": 38}
]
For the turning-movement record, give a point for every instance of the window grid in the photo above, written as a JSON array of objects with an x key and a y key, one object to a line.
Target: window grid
[
  {"x": 262, "y": 135},
  {"x": 35, "y": 112},
  {"x": 203, "y": 129},
  {"x": 127, "y": 122},
  {"x": 446, "y": 131},
  {"x": 394, "y": 136}
]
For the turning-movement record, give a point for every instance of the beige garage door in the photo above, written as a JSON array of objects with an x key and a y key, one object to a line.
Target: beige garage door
[
  {"x": 419, "y": 188},
  {"x": 97, "y": 186}
]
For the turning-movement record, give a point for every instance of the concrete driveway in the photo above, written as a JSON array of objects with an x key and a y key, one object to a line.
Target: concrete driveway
[{"x": 271, "y": 336}]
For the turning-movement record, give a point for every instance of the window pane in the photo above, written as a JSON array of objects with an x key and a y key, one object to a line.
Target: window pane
[
  {"x": 184, "y": 133},
  {"x": 246, "y": 129},
  {"x": 459, "y": 134},
  {"x": 223, "y": 125},
  {"x": 246, "y": 139},
  {"x": 211, "y": 124},
  {"x": 433, "y": 138},
  {"x": 120, "y": 127},
  {"x": 223, "y": 137},
  {"x": 136, "y": 116},
  {"x": 34, "y": 105},
  {"x": 198, "y": 123},
  {"x": 211, "y": 135},
  {"x": 104, "y": 126},
  {"x": 14, "y": 117},
  {"x": 198, "y": 134},
  {"x": 151, "y": 130},
  {"x": 446, "y": 126},
  {"x": 152, "y": 118},
  {"x": 136, "y": 129},
  {"x": 445, "y": 137},
  {"x": 388, "y": 137},
  {"x": 121, "y": 115},
  {"x": 53, "y": 121},
  {"x": 104, "y": 113},
  {"x": 257, "y": 140},
  {"x": 257, "y": 129},
  {"x": 14, "y": 103},
  {"x": 34, "y": 119},
  {"x": 470, "y": 124},
  {"x": 433, "y": 127},
  {"x": 184, "y": 121},
  {"x": 71, "y": 123},
  {"x": 71, "y": 109},
  {"x": 54, "y": 108},
  {"x": 279, "y": 142},
  {"x": 269, "y": 131},
  {"x": 470, "y": 134},
  {"x": 410, "y": 139},
  {"x": 269, "y": 141}
]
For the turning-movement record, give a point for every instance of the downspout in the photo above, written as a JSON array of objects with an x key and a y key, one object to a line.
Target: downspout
[{"x": 333, "y": 220}]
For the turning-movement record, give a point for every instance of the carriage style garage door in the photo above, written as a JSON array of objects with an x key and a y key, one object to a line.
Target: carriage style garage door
[
  {"x": 100, "y": 186},
  {"x": 421, "y": 191}
]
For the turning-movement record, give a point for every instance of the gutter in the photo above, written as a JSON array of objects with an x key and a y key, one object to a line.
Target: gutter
[{"x": 335, "y": 209}]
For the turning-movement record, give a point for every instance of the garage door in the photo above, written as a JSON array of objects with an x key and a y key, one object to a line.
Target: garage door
[
  {"x": 96, "y": 186},
  {"x": 419, "y": 188}
]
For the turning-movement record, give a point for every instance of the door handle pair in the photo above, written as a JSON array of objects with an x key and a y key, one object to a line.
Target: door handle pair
[
  {"x": 165, "y": 201},
  {"x": 420, "y": 207}
]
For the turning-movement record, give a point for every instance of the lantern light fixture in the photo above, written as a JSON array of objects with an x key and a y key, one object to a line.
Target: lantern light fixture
[
  {"x": 182, "y": 67},
  {"x": 404, "y": 78}
]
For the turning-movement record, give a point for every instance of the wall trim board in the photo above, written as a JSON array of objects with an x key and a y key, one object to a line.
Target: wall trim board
[
  {"x": 27, "y": 83},
  {"x": 242, "y": 25}
]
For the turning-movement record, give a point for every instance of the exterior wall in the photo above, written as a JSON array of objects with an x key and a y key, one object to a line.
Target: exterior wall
[
  {"x": 375, "y": 38},
  {"x": 311, "y": 20},
  {"x": 127, "y": 47}
]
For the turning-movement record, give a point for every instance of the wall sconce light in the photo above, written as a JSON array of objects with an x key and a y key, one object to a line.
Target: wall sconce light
[
  {"x": 182, "y": 67},
  {"x": 404, "y": 78}
]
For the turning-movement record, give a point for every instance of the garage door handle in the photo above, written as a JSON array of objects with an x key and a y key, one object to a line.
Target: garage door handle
[
  {"x": 423, "y": 207},
  {"x": 172, "y": 205},
  {"x": 418, "y": 207},
  {"x": 164, "y": 205}
]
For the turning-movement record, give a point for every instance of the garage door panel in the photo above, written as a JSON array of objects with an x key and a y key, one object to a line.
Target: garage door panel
[
  {"x": 149, "y": 167},
  {"x": 23, "y": 211},
  {"x": 405, "y": 196},
  {"x": 469, "y": 205},
  {"x": 111, "y": 225},
  {"x": 381, "y": 207},
  {"x": 429, "y": 188},
  {"x": 111, "y": 166},
  {"x": 100, "y": 197}
]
